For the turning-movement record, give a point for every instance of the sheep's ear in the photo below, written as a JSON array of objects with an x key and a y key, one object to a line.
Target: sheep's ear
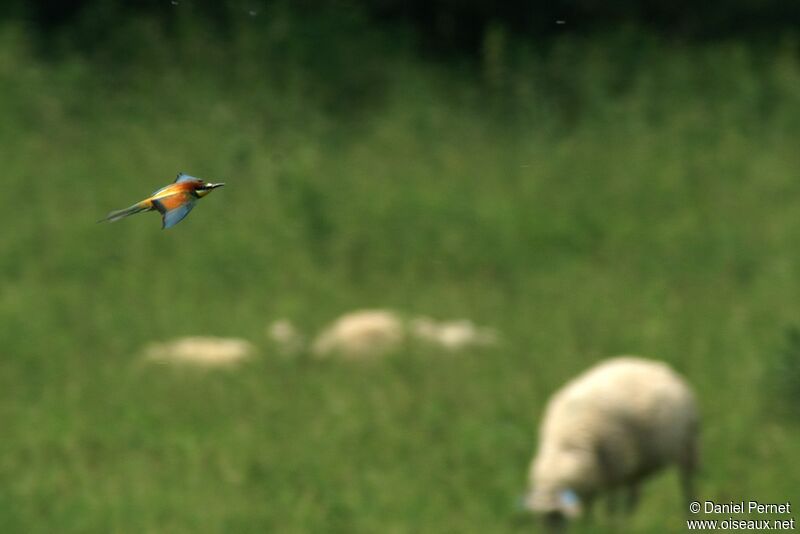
[{"x": 570, "y": 503}]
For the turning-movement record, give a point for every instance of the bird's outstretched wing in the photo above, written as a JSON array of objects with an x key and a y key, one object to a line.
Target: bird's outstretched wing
[{"x": 173, "y": 209}]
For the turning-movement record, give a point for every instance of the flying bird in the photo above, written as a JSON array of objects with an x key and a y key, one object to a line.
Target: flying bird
[{"x": 173, "y": 202}]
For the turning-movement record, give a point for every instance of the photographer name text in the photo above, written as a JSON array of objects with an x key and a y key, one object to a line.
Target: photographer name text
[{"x": 746, "y": 507}]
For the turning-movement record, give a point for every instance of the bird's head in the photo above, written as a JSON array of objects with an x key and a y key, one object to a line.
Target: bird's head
[{"x": 203, "y": 188}]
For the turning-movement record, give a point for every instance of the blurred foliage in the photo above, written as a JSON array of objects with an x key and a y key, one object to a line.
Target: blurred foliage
[{"x": 442, "y": 25}]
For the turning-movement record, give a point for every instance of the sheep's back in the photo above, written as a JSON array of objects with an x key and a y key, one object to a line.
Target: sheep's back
[{"x": 637, "y": 414}]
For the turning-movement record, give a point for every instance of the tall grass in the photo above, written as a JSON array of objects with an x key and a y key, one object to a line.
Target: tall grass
[{"x": 607, "y": 195}]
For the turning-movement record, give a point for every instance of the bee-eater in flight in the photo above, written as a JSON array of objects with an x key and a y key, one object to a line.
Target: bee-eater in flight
[{"x": 173, "y": 202}]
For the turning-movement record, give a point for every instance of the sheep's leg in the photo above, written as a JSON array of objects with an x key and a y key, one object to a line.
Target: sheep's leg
[
  {"x": 612, "y": 502},
  {"x": 588, "y": 506},
  {"x": 687, "y": 467},
  {"x": 687, "y": 483},
  {"x": 632, "y": 498}
]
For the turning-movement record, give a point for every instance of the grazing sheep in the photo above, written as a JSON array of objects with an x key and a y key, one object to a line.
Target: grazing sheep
[
  {"x": 368, "y": 333},
  {"x": 452, "y": 335},
  {"x": 610, "y": 428},
  {"x": 361, "y": 334},
  {"x": 286, "y": 337},
  {"x": 201, "y": 351}
]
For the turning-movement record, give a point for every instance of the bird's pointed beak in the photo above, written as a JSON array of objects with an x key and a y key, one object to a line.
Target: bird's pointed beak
[{"x": 214, "y": 186}]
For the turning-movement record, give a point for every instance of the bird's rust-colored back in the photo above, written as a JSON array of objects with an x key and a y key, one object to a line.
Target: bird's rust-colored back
[
  {"x": 177, "y": 188},
  {"x": 173, "y": 199}
]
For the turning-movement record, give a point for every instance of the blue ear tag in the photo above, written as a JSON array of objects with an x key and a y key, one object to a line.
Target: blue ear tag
[{"x": 569, "y": 498}]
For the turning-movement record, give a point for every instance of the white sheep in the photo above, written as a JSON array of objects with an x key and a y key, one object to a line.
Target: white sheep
[
  {"x": 608, "y": 429},
  {"x": 286, "y": 337},
  {"x": 201, "y": 351},
  {"x": 361, "y": 334},
  {"x": 453, "y": 335}
]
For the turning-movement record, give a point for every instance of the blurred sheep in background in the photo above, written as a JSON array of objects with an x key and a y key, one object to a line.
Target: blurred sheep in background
[
  {"x": 452, "y": 335},
  {"x": 369, "y": 333},
  {"x": 286, "y": 337},
  {"x": 201, "y": 351},
  {"x": 610, "y": 428},
  {"x": 361, "y": 334},
  {"x": 356, "y": 335}
]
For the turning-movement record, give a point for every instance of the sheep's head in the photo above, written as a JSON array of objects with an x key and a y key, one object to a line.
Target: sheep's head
[
  {"x": 554, "y": 505},
  {"x": 558, "y": 480}
]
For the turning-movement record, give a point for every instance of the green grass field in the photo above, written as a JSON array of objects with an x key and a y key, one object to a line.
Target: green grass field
[{"x": 605, "y": 196}]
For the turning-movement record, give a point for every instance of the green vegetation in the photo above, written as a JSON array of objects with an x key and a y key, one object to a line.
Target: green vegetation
[{"x": 605, "y": 195}]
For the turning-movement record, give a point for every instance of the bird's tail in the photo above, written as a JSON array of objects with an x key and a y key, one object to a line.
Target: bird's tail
[{"x": 144, "y": 205}]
